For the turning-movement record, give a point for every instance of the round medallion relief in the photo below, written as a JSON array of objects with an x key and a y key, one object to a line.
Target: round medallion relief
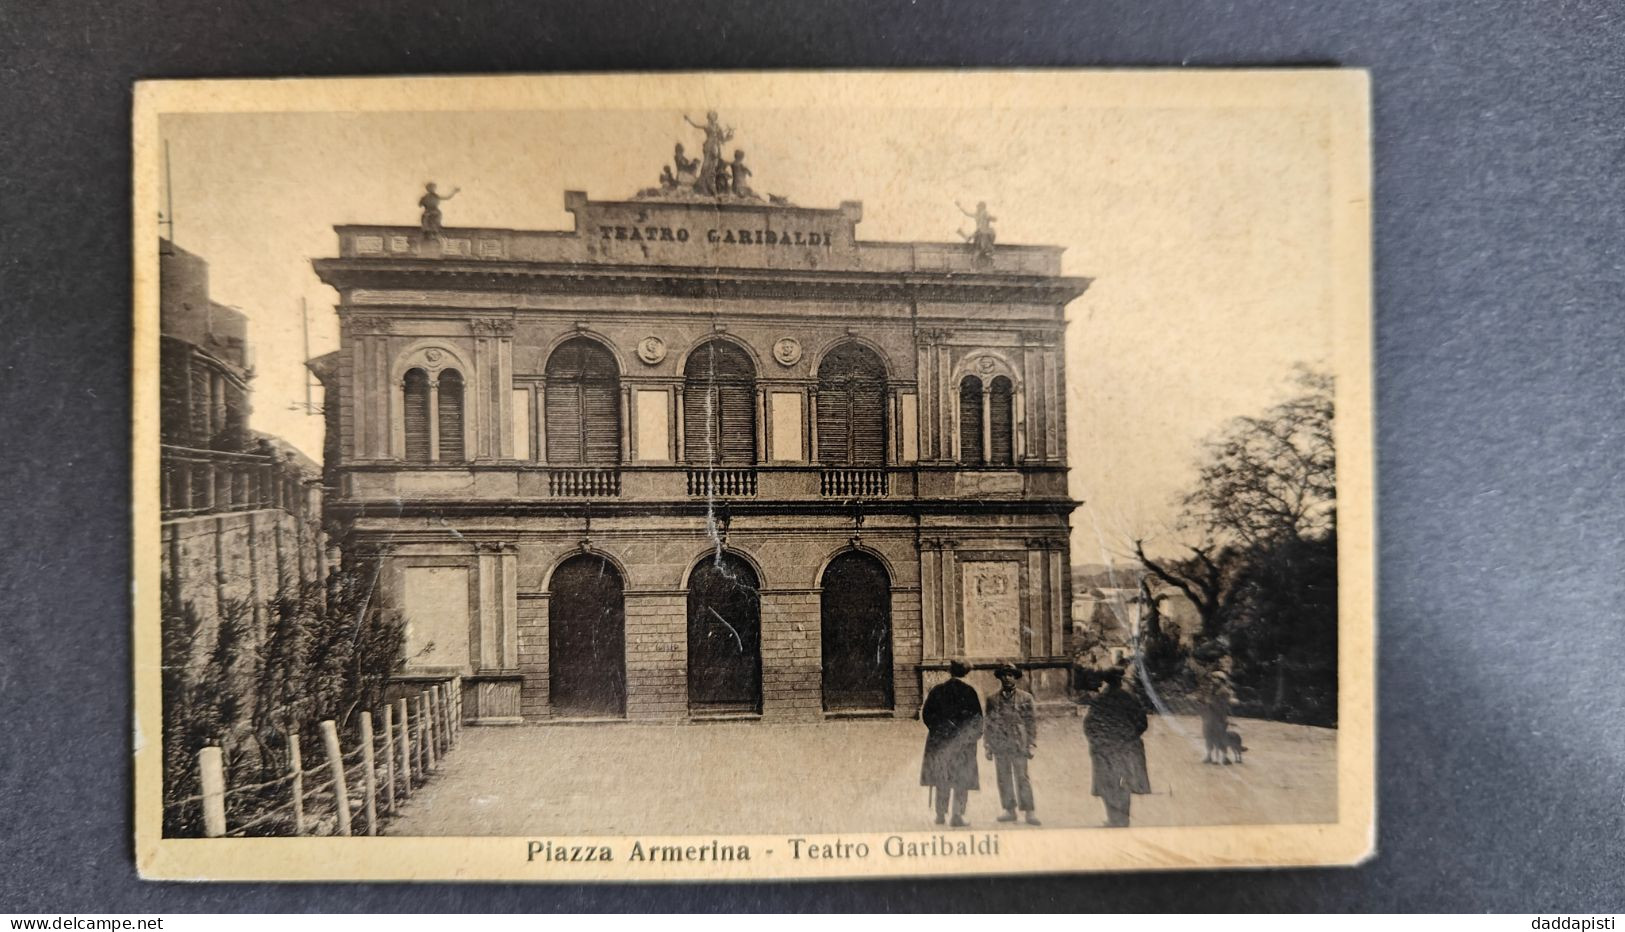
[
  {"x": 651, "y": 350},
  {"x": 787, "y": 351},
  {"x": 433, "y": 355},
  {"x": 986, "y": 364}
]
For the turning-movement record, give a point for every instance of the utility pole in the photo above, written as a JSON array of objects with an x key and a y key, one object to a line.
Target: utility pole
[
  {"x": 310, "y": 407},
  {"x": 304, "y": 322},
  {"x": 167, "y": 218}
]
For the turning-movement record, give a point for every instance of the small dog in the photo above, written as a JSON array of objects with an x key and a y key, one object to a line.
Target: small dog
[{"x": 1232, "y": 745}]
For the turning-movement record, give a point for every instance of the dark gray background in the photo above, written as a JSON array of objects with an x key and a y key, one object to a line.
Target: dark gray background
[{"x": 1499, "y": 385}]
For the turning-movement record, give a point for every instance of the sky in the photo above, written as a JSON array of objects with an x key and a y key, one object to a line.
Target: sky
[{"x": 1207, "y": 232}]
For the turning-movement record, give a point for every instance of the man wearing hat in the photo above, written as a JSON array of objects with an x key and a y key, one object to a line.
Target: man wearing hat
[
  {"x": 1012, "y": 735},
  {"x": 953, "y": 716}
]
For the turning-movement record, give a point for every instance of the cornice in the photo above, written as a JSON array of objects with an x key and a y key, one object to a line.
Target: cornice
[
  {"x": 697, "y": 282},
  {"x": 606, "y": 508}
]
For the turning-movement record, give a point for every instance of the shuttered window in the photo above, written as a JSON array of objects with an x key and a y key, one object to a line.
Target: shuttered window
[
  {"x": 582, "y": 416},
  {"x": 451, "y": 416},
  {"x": 970, "y": 420},
  {"x": 416, "y": 395},
  {"x": 563, "y": 421},
  {"x": 601, "y": 422},
  {"x": 834, "y": 412},
  {"x": 852, "y": 407},
  {"x": 719, "y": 405},
  {"x": 1001, "y": 421}
]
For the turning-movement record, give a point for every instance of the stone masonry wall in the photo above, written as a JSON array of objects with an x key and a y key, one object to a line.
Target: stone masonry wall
[
  {"x": 243, "y": 556},
  {"x": 792, "y": 672},
  {"x": 533, "y": 608},
  {"x": 656, "y": 656}
]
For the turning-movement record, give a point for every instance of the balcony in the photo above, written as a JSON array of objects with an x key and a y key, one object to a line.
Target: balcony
[
  {"x": 584, "y": 482},
  {"x": 731, "y": 482},
  {"x": 853, "y": 482}
]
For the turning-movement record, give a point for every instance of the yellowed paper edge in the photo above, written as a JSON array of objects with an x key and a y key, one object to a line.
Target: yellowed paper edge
[{"x": 1342, "y": 94}]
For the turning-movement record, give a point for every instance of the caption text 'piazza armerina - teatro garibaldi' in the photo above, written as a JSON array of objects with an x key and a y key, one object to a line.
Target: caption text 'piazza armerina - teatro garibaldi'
[{"x": 704, "y": 455}]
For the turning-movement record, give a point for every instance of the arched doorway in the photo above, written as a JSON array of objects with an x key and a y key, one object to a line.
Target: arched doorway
[
  {"x": 724, "y": 636},
  {"x": 855, "y": 610},
  {"x": 586, "y": 642}
]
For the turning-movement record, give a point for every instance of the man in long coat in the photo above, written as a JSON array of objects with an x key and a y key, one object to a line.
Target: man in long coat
[
  {"x": 1012, "y": 736},
  {"x": 953, "y": 716},
  {"x": 1114, "y": 725}
]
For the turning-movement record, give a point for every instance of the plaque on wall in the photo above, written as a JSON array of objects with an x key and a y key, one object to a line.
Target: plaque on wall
[
  {"x": 805, "y": 586},
  {"x": 991, "y": 591}
]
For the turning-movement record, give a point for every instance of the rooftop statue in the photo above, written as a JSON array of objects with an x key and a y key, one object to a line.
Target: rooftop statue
[
  {"x": 688, "y": 172},
  {"x": 430, "y": 202},
  {"x": 981, "y": 239},
  {"x": 713, "y": 171},
  {"x": 711, "y": 176},
  {"x": 738, "y": 173}
]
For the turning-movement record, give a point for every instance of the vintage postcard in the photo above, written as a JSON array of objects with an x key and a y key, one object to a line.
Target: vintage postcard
[{"x": 748, "y": 476}]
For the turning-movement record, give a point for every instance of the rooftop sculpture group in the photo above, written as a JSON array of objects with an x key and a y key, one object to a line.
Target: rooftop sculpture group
[{"x": 709, "y": 176}]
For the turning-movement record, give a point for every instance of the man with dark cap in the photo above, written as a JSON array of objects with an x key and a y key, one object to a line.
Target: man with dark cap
[
  {"x": 1012, "y": 736},
  {"x": 953, "y": 717}
]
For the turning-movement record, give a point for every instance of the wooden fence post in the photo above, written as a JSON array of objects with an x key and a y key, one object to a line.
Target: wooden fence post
[
  {"x": 438, "y": 716},
  {"x": 369, "y": 775},
  {"x": 389, "y": 757},
  {"x": 335, "y": 763},
  {"x": 211, "y": 776},
  {"x": 423, "y": 736},
  {"x": 442, "y": 694},
  {"x": 439, "y": 719},
  {"x": 296, "y": 764},
  {"x": 457, "y": 703},
  {"x": 422, "y": 753},
  {"x": 428, "y": 724},
  {"x": 406, "y": 752}
]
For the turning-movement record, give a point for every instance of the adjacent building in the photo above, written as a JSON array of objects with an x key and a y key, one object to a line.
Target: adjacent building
[
  {"x": 241, "y": 510},
  {"x": 703, "y": 456}
]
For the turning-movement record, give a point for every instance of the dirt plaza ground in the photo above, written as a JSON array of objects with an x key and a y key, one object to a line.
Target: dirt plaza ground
[{"x": 852, "y": 775}]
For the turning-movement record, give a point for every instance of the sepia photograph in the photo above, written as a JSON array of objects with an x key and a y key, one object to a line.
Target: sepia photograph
[{"x": 753, "y": 476}]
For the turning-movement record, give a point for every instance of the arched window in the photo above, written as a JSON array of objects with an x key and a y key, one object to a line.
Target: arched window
[
  {"x": 970, "y": 420},
  {"x": 1001, "y": 423},
  {"x": 852, "y": 407},
  {"x": 416, "y": 394},
  {"x": 583, "y": 408},
  {"x": 719, "y": 405},
  {"x": 450, "y": 415}
]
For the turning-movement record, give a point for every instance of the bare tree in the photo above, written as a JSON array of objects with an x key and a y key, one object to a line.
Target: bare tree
[
  {"x": 1207, "y": 577},
  {"x": 1265, "y": 481}
]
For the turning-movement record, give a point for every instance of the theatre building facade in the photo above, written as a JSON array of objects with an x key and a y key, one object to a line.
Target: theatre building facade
[{"x": 703, "y": 457}]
